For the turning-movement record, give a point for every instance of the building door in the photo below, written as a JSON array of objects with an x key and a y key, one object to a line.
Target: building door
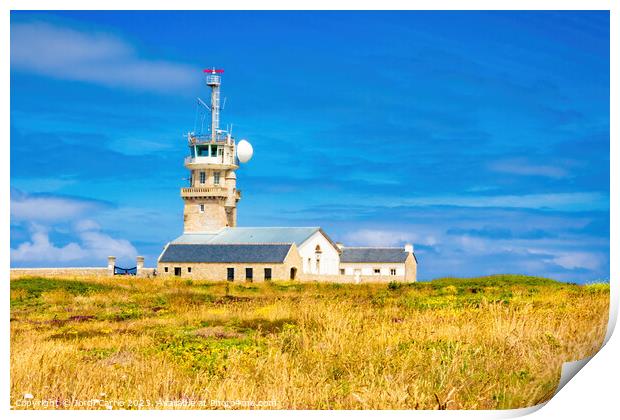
[
  {"x": 358, "y": 274},
  {"x": 177, "y": 271},
  {"x": 293, "y": 273}
]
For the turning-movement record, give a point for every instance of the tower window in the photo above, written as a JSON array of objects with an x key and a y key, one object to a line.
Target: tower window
[
  {"x": 216, "y": 178},
  {"x": 202, "y": 150},
  {"x": 202, "y": 208},
  {"x": 220, "y": 151},
  {"x": 203, "y": 177}
]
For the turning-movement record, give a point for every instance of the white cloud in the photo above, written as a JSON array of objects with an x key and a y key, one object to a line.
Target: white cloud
[
  {"x": 473, "y": 245},
  {"x": 522, "y": 167},
  {"x": 578, "y": 201},
  {"x": 381, "y": 237},
  {"x": 48, "y": 208},
  {"x": 92, "y": 247},
  {"x": 40, "y": 249},
  {"x": 33, "y": 182},
  {"x": 562, "y": 255},
  {"x": 86, "y": 225},
  {"x": 99, "y": 58},
  {"x": 43, "y": 214},
  {"x": 573, "y": 260},
  {"x": 371, "y": 237}
]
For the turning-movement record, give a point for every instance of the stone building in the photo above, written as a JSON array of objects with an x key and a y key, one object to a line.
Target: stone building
[
  {"x": 214, "y": 247},
  {"x": 241, "y": 262},
  {"x": 379, "y": 264}
]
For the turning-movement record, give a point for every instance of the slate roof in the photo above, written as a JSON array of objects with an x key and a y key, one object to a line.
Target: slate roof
[
  {"x": 194, "y": 238},
  {"x": 250, "y": 235},
  {"x": 373, "y": 255},
  {"x": 225, "y": 253}
]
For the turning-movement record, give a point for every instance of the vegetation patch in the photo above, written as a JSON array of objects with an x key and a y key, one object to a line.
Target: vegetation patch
[
  {"x": 71, "y": 333},
  {"x": 35, "y": 286},
  {"x": 262, "y": 326},
  {"x": 226, "y": 299},
  {"x": 208, "y": 355},
  {"x": 97, "y": 353},
  {"x": 242, "y": 288},
  {"x": 190, "y": 296},
  {"x": 483, "y": 343},
  {"x": 500, "y": 280},
  {"x": 81, "y": 318},
  {"x": 123, "y": 312},
  {"x": 394, "y": 285},
  {"x": 218, "y": 331},
  {"x": 287, "y": 286},
  {"x": 28, "y": 290}
]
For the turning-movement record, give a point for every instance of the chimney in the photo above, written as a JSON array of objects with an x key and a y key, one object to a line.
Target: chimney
[
  {"x": 409, "y": 248},
  {"x": 111, "y": 264}
]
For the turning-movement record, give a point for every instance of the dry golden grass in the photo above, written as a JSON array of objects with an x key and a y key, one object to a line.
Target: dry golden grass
[{"x": 495, "y": 342}]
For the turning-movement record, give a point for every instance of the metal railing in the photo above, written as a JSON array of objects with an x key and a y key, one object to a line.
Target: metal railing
[
  {"x": 213, "y": 79},
  {"x": 211, "y": 160},
  {"x": 207, "y": 138}
]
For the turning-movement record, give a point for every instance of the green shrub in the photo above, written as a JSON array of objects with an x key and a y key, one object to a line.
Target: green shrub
[{"x": 394, "y": 285}]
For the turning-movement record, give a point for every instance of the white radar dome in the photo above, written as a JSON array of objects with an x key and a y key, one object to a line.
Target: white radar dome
[{"x": 244, "y": 151}]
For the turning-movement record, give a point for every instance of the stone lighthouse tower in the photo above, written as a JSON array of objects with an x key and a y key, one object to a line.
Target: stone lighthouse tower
[{"x": 210, "y": 201}]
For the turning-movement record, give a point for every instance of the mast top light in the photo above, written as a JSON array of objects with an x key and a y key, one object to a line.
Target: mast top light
[{"x": 213, "y": 71}]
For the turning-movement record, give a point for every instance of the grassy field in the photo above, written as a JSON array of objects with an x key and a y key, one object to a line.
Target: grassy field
[{"x": 483, "y": 343}]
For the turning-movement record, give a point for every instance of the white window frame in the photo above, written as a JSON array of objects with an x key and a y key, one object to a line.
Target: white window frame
[
  {"x": 203, "y": 177},
  {"x": 216, "y": 178}
]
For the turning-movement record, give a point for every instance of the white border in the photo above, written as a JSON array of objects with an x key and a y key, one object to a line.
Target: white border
[{"x": 594, "y": 392}]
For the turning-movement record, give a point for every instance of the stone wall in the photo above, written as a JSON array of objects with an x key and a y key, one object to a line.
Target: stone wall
[
  {"x": 141, "y": 270},
  {"x": 368, "y": 269},
  {"x": 219, "y": 271},
  {"x": 329, "y": 257},
  {"x": 211, "y": 219},
  {"x": 59, "y": 272},
  {"x": 71, "y": 272},
  {"x": 146, "y": 272},
  {"x": 352, "y": 279},
  {"x": 411, "y": 268}
]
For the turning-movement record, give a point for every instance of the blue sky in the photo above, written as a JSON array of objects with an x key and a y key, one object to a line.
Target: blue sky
[{"x": 481, "y": 137}]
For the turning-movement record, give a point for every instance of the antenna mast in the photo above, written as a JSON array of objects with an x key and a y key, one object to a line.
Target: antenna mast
[{"x": 213, "y": 81}]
